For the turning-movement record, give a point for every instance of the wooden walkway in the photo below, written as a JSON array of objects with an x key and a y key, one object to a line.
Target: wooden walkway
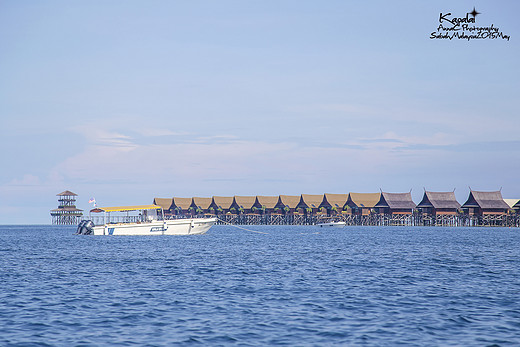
[{"x": 375, "y": 220}]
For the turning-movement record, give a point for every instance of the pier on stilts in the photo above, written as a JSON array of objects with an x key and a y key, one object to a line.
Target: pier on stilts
[
  {"x": 375, "y": 220},
  {"x": 437, "y": 209}
]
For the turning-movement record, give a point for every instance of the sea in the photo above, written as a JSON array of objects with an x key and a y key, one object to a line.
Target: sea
[{"x": 261, "y": 286}]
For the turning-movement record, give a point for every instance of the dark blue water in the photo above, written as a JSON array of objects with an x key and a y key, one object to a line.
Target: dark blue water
[{"x": 291, "y": 286}]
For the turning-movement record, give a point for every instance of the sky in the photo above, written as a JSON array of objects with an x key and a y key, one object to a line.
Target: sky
[{"x": 125, "y": 101}]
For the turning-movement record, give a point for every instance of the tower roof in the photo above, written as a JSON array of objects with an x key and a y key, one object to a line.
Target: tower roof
[{"x": 67, "y": 193}]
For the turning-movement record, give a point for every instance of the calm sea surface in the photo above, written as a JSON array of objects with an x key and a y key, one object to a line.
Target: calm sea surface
[{"x": 290, "y": 285}]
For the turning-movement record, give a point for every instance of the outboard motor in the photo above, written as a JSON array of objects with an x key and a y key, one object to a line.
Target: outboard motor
[{"x": 85, "y": 227}]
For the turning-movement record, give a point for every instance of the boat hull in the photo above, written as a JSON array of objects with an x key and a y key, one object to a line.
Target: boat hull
[
  {"x": 194, "y": 226},
  {"x": 332, "y": 225}
]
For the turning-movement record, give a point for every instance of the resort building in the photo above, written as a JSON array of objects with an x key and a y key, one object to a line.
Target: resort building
[
  {"x": 512, "y": 203},
  {"x": 222, "y": 204},
  {"x": 333, "y": 203},
  {"x": 286, "y": 204},
  {"x": 243, "y": 204},
  {"x": 265, "y": 204},
  {"x": 439, "y": 203},
  {"x": 174, "y": 206},
  {"x": 395, "y": 203},
  {"x": 165, "y": 204},
  {"x": 516, "y": 206},
  {"x": 310, "y": 203},
  {"x": 362, "y": 204},
  {"x": 202, "y": 204},
  {"x": 66, "y": 213},
  {"x": 485, "y": 203},
  {"x": 181, "y": 205}
]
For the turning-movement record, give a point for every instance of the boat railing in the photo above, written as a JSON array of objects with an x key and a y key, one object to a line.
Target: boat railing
[{"x": 101, "y": 220}]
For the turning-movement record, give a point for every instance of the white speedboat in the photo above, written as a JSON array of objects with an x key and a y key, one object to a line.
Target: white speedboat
[
  {"x": 332, "y": 224},
  {"x": 141, "y": 220}
]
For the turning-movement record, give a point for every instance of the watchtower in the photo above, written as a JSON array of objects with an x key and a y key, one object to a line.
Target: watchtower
[{"x": 66, "y": 213}]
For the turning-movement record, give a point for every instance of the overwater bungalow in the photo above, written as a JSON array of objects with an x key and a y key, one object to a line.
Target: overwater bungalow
[
  {"x": 439, "y": 203},
  {"x": 265, "y": 204},
  {"x": 395, "y": 203},
  {"x": 485, "y": 203},
  {"x": 165, "y": 203},
  {"x": 512, "y": 203},
  {"x": 222, "y": 204},
  {"x": 181, "y": 205},
  {"x": 516, "y": 206},
  {"x": 243, "y": 204},
  {"x": 286, "y": 204},
  {"x": 361, "y": 203},
  {"x": 202, "y": 204},
  {"x": 310, "y": 203},
  {"x": 333, "y": 203}
]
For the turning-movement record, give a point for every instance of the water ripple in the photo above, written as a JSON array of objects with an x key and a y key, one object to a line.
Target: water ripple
[{"x": 292, "y": 286}]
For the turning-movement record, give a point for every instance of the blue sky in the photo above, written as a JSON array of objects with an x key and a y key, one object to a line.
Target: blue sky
[{"x": 125, "y": 101}]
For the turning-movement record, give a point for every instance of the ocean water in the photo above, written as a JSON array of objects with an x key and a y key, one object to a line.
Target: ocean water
[{"x": 287, "y": 285}]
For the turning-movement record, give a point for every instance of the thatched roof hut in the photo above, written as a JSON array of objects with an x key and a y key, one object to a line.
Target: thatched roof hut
[
  {"x": 222, "y": 202},
  {"x": 201, "y": 203},
  {"x": 165, "y": 203},
  {"x": 289, "y": 201},
  {"x": 181, "y": 204},
  {"x": 512, "y": 202},
  {"x": 361, "y": 203},
  {"x": 243, "y": 202},
  {"x": 485, "y": 203},
  {"x": 362, "y": 200},
  {"x": 439, "y": 203},
  {"x": 269, "y": 202},
  {"x": 516, "y": 206},
  {"x": 331, "y": 201},
  {"x": 395, "y": 203},
  {"x": 310, "y": 201}
]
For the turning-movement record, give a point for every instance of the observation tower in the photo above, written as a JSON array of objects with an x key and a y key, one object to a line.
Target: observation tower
[{"x": 66, "y": 213}]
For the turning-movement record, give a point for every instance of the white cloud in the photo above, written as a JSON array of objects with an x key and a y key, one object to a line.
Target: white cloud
[
  {"x": 26, "y": 180},
  {"x": 151, "y": 132}
]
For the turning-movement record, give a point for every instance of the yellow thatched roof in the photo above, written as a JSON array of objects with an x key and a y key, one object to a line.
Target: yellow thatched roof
[
  {"x": 267, "y": 201},
  {"x": 245, "y": 201},
  {"x": 203, "y": 203},
  {"x": 336, "y": 200},
  {"x": 312, "y": 201},
  {"x": 183, "y": 203},
  {"x": 165, "y": 203},
  {"x": 368, "y": 200},
  {"x": 224, "y": 202},
  {"x": 512, "y": 202},
  {"x": 289, "y": 200}
]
